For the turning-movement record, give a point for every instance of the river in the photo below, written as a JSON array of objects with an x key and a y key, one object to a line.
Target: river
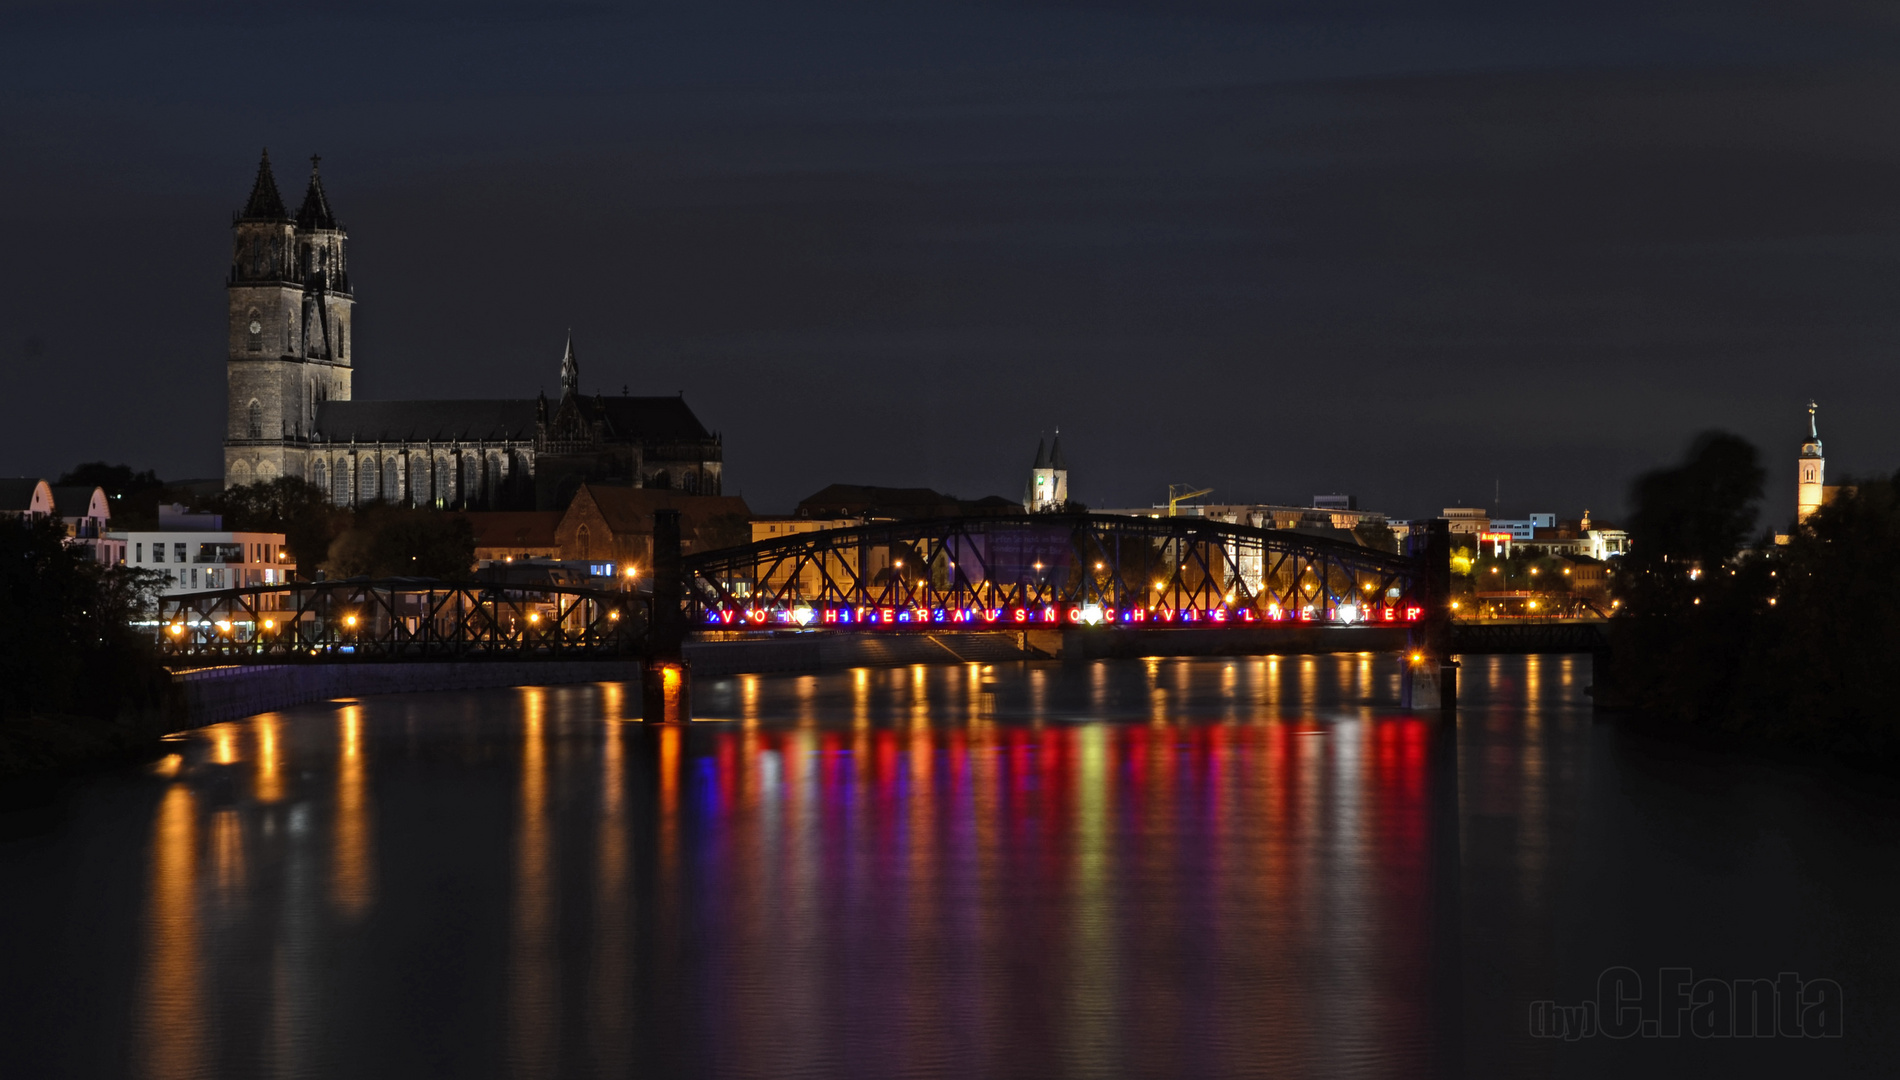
[{"x": 1160, "y": 868}]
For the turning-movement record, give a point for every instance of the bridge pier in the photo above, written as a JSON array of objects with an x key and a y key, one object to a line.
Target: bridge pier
[{"x": 666, "y": 678}]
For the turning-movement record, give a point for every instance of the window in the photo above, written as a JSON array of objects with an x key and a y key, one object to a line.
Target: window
[
  {"x": 319, "y": 476},
  {"x": 471, "y": 479},
  {"x": 254, "y": 331},
  {"x": 138, "y": 553},
  {"x": 418, "y": 481},
  {"x": 580, "y": 537},
  {"x": 256, "y": 420},
  {"x": 660, "y": 480},
  {"x": 342, "y": 492},
  {"x": 691, "y": 482},
  {"x": 391, "y": 478},
  {"x": 178, "y": 553},
  {"x": 367, "y": 476}
]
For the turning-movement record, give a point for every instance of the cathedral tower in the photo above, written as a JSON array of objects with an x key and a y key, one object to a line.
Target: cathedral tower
[
  {"x": 1810, "y": 491},
  {"x": 289, "y": 329}
]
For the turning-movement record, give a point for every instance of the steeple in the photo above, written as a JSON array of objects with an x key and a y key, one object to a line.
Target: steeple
[
  {"x": 570, "y": 369},
  {"x": 315, "y": 213},
  {"x": 1048, "y": 487},
  {"x": 265, "y": 203},
  {"x": 1811, "y": 466}
]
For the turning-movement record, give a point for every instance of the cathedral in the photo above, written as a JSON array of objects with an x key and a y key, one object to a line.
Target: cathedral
[{"x": 290, "y": 412}]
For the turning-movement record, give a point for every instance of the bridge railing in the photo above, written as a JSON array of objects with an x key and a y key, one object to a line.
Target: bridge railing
[
  {"x": 400, "y": 618},
  {"x": 1038, "y": 569}
]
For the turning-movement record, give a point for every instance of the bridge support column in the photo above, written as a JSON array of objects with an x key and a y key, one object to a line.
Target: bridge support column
[
  {"x": 666, "y": 683},
  {"x": 666, "y": 691},
  {"x": 1448, "y": 686}
]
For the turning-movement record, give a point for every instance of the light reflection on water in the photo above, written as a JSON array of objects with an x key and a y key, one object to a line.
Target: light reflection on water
[{"x": 1151, "y": 868}]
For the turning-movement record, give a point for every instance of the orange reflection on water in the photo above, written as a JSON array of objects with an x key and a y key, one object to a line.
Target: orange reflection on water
[
  {"x": 267, "y": 777},
  {"x": 352, "y": 862},
  {"x": 171, "y": 1040},
  {"x": 611, "y": 1030},
  {"x": 534, "y": 997}
]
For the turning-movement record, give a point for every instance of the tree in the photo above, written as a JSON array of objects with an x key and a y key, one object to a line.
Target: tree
[
  {"x": 298, "y": 509},
  {"x": 1688, "y": 522},
  {"x": 394, "y": 541},
  {"x": 66, "y": 643},
  {"x": 119, "y": 481},
  {"x": 1824, "y": 666}
]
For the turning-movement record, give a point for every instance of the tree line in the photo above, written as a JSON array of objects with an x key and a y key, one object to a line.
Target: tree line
[{"x": 1723, "y": 627}]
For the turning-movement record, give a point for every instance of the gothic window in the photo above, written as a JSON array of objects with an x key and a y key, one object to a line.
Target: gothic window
[
  {"x": 660, "y": 480},
  {"x": 690, "y": 482},
  {"x": 580, "y": 537},
  {"x": 342, "y": 483},
  {"x": 343, "y": 341},
  {"x": 418, "y": 481},
  {"x": 255, "y": 426},
  {"x": 366, "y": 477},
  {"x": 318, "y": 476},
  {"x": 471, "y": 479},
  {"x": 392, "y": 478}
]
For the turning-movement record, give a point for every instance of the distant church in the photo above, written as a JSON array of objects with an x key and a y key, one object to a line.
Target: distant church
[
  {"x": 1048, "y": 487},
  {"x": 290, "y": 412}
]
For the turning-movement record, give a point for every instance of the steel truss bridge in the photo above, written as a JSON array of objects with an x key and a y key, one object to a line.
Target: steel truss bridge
[
  {"x": 1044, "y": 570},
  {"x": 401, "y": 618}
]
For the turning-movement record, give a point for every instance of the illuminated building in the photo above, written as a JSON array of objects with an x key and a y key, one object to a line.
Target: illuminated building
[
  {"x": 291, "y": 412},
  {"x": 1810, "y": 490},
  {"x": 1048, "y": 487}
]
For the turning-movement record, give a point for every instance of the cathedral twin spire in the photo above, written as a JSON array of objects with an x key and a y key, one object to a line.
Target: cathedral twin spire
[{"x": 266, "y": 204}]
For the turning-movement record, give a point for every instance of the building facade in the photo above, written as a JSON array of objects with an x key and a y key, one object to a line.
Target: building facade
[
  {"x": 194, "y": 560},
  {"x": 291, "y": 412}
]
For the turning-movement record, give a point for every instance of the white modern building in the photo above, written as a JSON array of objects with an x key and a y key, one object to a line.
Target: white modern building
[{"x": 197, "y": 555}]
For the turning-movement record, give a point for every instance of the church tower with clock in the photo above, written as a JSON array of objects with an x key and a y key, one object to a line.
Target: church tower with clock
[{"x": 289, "y": 329}]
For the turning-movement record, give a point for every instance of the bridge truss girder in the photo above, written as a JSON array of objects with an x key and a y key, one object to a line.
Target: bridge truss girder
[
  {"x": 1035, "y": 560},
  {"x": 399, "y": 619}
]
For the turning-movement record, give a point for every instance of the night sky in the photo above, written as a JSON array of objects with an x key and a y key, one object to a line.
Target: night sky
[{"x": 1405, "y": 250}]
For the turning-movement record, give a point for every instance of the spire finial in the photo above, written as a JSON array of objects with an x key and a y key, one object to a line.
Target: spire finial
[
  {"x": 314, "y": 160},
  {"x": 1813, "y": 428},
  {"x": 570, "y": 367}
]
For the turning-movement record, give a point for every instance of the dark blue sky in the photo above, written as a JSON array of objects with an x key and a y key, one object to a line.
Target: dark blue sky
[{"x": 1406, "y": 250}]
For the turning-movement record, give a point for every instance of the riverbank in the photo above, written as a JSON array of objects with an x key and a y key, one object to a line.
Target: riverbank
[{"x": 39, "y": 750}]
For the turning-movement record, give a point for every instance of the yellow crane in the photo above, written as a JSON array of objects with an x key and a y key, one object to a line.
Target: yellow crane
[{"x": 1180, "y": 493}]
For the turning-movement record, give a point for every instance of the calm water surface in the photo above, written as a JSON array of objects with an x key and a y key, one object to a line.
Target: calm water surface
[{"x": 1168, "y": 868}]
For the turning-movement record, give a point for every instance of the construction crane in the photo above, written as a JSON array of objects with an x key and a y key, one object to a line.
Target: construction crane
[{"x": 1180, "y": 493}]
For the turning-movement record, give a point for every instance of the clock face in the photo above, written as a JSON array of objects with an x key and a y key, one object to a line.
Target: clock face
[{"x": 256, "y": 327}]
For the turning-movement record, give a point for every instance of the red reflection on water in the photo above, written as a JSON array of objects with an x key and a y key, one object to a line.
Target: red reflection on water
[{"x": 1075, "y": 899}]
